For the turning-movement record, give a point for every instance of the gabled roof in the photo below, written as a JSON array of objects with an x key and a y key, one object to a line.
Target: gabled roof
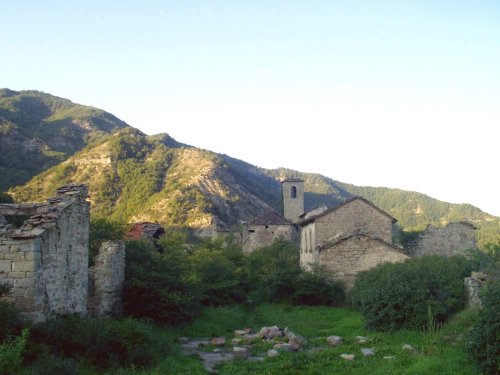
[
  {"x": 331, "y": 209},
  {"x": 270, "y": 217},
  {"x": 337, "y": 241}
]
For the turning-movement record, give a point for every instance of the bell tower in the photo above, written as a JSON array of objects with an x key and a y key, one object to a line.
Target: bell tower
[{"x": 293, "y": 198}]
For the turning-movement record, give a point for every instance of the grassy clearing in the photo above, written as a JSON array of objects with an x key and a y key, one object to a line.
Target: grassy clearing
[{"x": 438, "y": 352}]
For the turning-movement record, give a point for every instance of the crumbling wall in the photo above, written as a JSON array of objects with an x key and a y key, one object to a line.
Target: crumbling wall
[
  {"x": 257, "y": 236},
  {"x": 473, "y": 285},
  {"x": 106, "y": 279},
  {"x": 454, "y": 239},
  {"x": 45, "y": 261}
]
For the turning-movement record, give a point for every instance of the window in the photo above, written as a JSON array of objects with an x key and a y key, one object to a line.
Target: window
[{"x": 293, "y": 192}]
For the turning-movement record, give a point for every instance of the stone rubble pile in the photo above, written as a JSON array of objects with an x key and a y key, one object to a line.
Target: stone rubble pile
[{"x": 213, "y": 351}]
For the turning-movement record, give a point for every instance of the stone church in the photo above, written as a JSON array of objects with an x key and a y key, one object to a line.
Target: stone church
[{"x": 351, "y": 237}]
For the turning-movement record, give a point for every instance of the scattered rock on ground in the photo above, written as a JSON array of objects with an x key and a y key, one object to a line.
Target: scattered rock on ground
[
  {"x": 408, "y": 347},
  {"x": 389, "y": 357},
  {"x": 236, "y": 341},
  {"x": 239, "y": 351},
  {"x": 287, "y": 347},
  {"x": 242, "y": 332},
  {"x": 273, "y": 353},
  {"x": 368, "y": 352},
  {"x": 362, "y": 339},
  {"x": 334, "y": 340},
  {"x": 348, "y": 357},
  {"x": 293, "y": 338},
  {"x": 218, "y": 341}
]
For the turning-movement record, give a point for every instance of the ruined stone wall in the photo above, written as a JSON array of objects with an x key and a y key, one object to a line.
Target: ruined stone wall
[
  {"x": 45, "y": 261},
  {"x": 347, "y": 257},
  {"x": 257, "y": 236},
  {"x": 356, "y": 216},
  {"x": 454, "y": 239},
  {"x": 106, "y": 279},
  {"x": 473, "y": 286}
]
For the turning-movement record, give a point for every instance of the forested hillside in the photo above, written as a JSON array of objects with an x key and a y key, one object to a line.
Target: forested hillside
[
  {"x": 38, "y": 131},
  {"x": 135, "y": 177}
]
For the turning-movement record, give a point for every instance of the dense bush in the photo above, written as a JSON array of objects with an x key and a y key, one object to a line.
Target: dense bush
[
  {"x": 483, "y": 342},
  {"x": 407, "y": 295},
  {"x": 171, "y": 286},
  {"x": 10, "y": 322},
  {"x": 316, "y": 288},
  {"x": 11, "y": 354},
  {"x": 103, "y": 342},
  {"x": 159, "y": 286},
  {"x": 219, "y": 274},
  {"x": 274, "y": 275}
]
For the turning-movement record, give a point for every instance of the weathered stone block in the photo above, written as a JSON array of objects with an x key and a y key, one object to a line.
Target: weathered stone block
[
  {"x": 14, "y": 256},
  {"x": 5, "y": 266},
  {"x": 23, "y": 266}
]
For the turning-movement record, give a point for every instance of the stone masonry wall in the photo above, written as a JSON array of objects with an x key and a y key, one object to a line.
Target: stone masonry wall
[
  {"x": 356, "y": 216},
  {"x": 266, "y": 235},
  {"x": 347, "y": 257},
  {"x": 106, "y": 279},
  {"x": 454, "y": 239},
  {"x": 45, "y": 261},
  {"x": 473, "y": 286}
]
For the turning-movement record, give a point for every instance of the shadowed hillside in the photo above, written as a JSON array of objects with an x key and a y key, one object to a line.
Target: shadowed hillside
[{"x": 38, "y": 131}]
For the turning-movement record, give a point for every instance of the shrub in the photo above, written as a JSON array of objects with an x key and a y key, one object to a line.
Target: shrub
[
  {"x": 103, "y": 342},
  {"x": 274, "y": 274},
  {"x": 159, "y": 286},
  {"x": 401, "y": 295},
  {"x": 11, "y": 354},
  {"x": 483, "y": 342},
  {"x": 271, "y": 272},
  {"x": 317, "y": 288},
  {"x": 10, "y": 322},
  {"x": 218, "y": 277}
]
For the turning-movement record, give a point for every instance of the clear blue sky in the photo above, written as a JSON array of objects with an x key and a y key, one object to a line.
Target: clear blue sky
[{"x": 384, "y": 93}]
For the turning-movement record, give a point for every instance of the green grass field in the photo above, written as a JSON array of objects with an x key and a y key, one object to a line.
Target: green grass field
[{"x": 439, "y": 352}]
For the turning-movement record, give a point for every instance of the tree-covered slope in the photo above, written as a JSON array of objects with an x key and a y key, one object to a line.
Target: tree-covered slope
[
  {"x": 38, "y": 131},
  {"x": 134, "y": 177}
]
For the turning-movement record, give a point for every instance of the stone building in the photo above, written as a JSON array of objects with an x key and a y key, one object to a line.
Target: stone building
[
  {"x": 267, "y": 228},
  {"x": 45, "y": 260},
  {"x": 351, "y": 237},
  {"x": 453, "y": 239},
  {"x": 348, "y": 256}
]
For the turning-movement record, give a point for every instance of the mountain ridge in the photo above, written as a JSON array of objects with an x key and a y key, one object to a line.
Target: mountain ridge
[{"x": 135, "y": 177}]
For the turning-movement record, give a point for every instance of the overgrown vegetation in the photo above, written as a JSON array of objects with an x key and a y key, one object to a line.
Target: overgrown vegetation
[
  {"x": 483, "y": 341},
  {"x": 408, "y": 294},
  {"x": 54, "y": 128},
  {"x": 173, "y": 285}
]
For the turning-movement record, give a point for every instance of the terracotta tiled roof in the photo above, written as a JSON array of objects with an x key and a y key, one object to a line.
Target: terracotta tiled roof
[
  {"x": 270, "y": 217},
  {"x": 311, "y": 219},
  {"x": 144, "y": 230}
]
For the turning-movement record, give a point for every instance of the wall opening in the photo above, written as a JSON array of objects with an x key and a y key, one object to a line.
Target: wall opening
[{"x": 293, "y": 192}]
